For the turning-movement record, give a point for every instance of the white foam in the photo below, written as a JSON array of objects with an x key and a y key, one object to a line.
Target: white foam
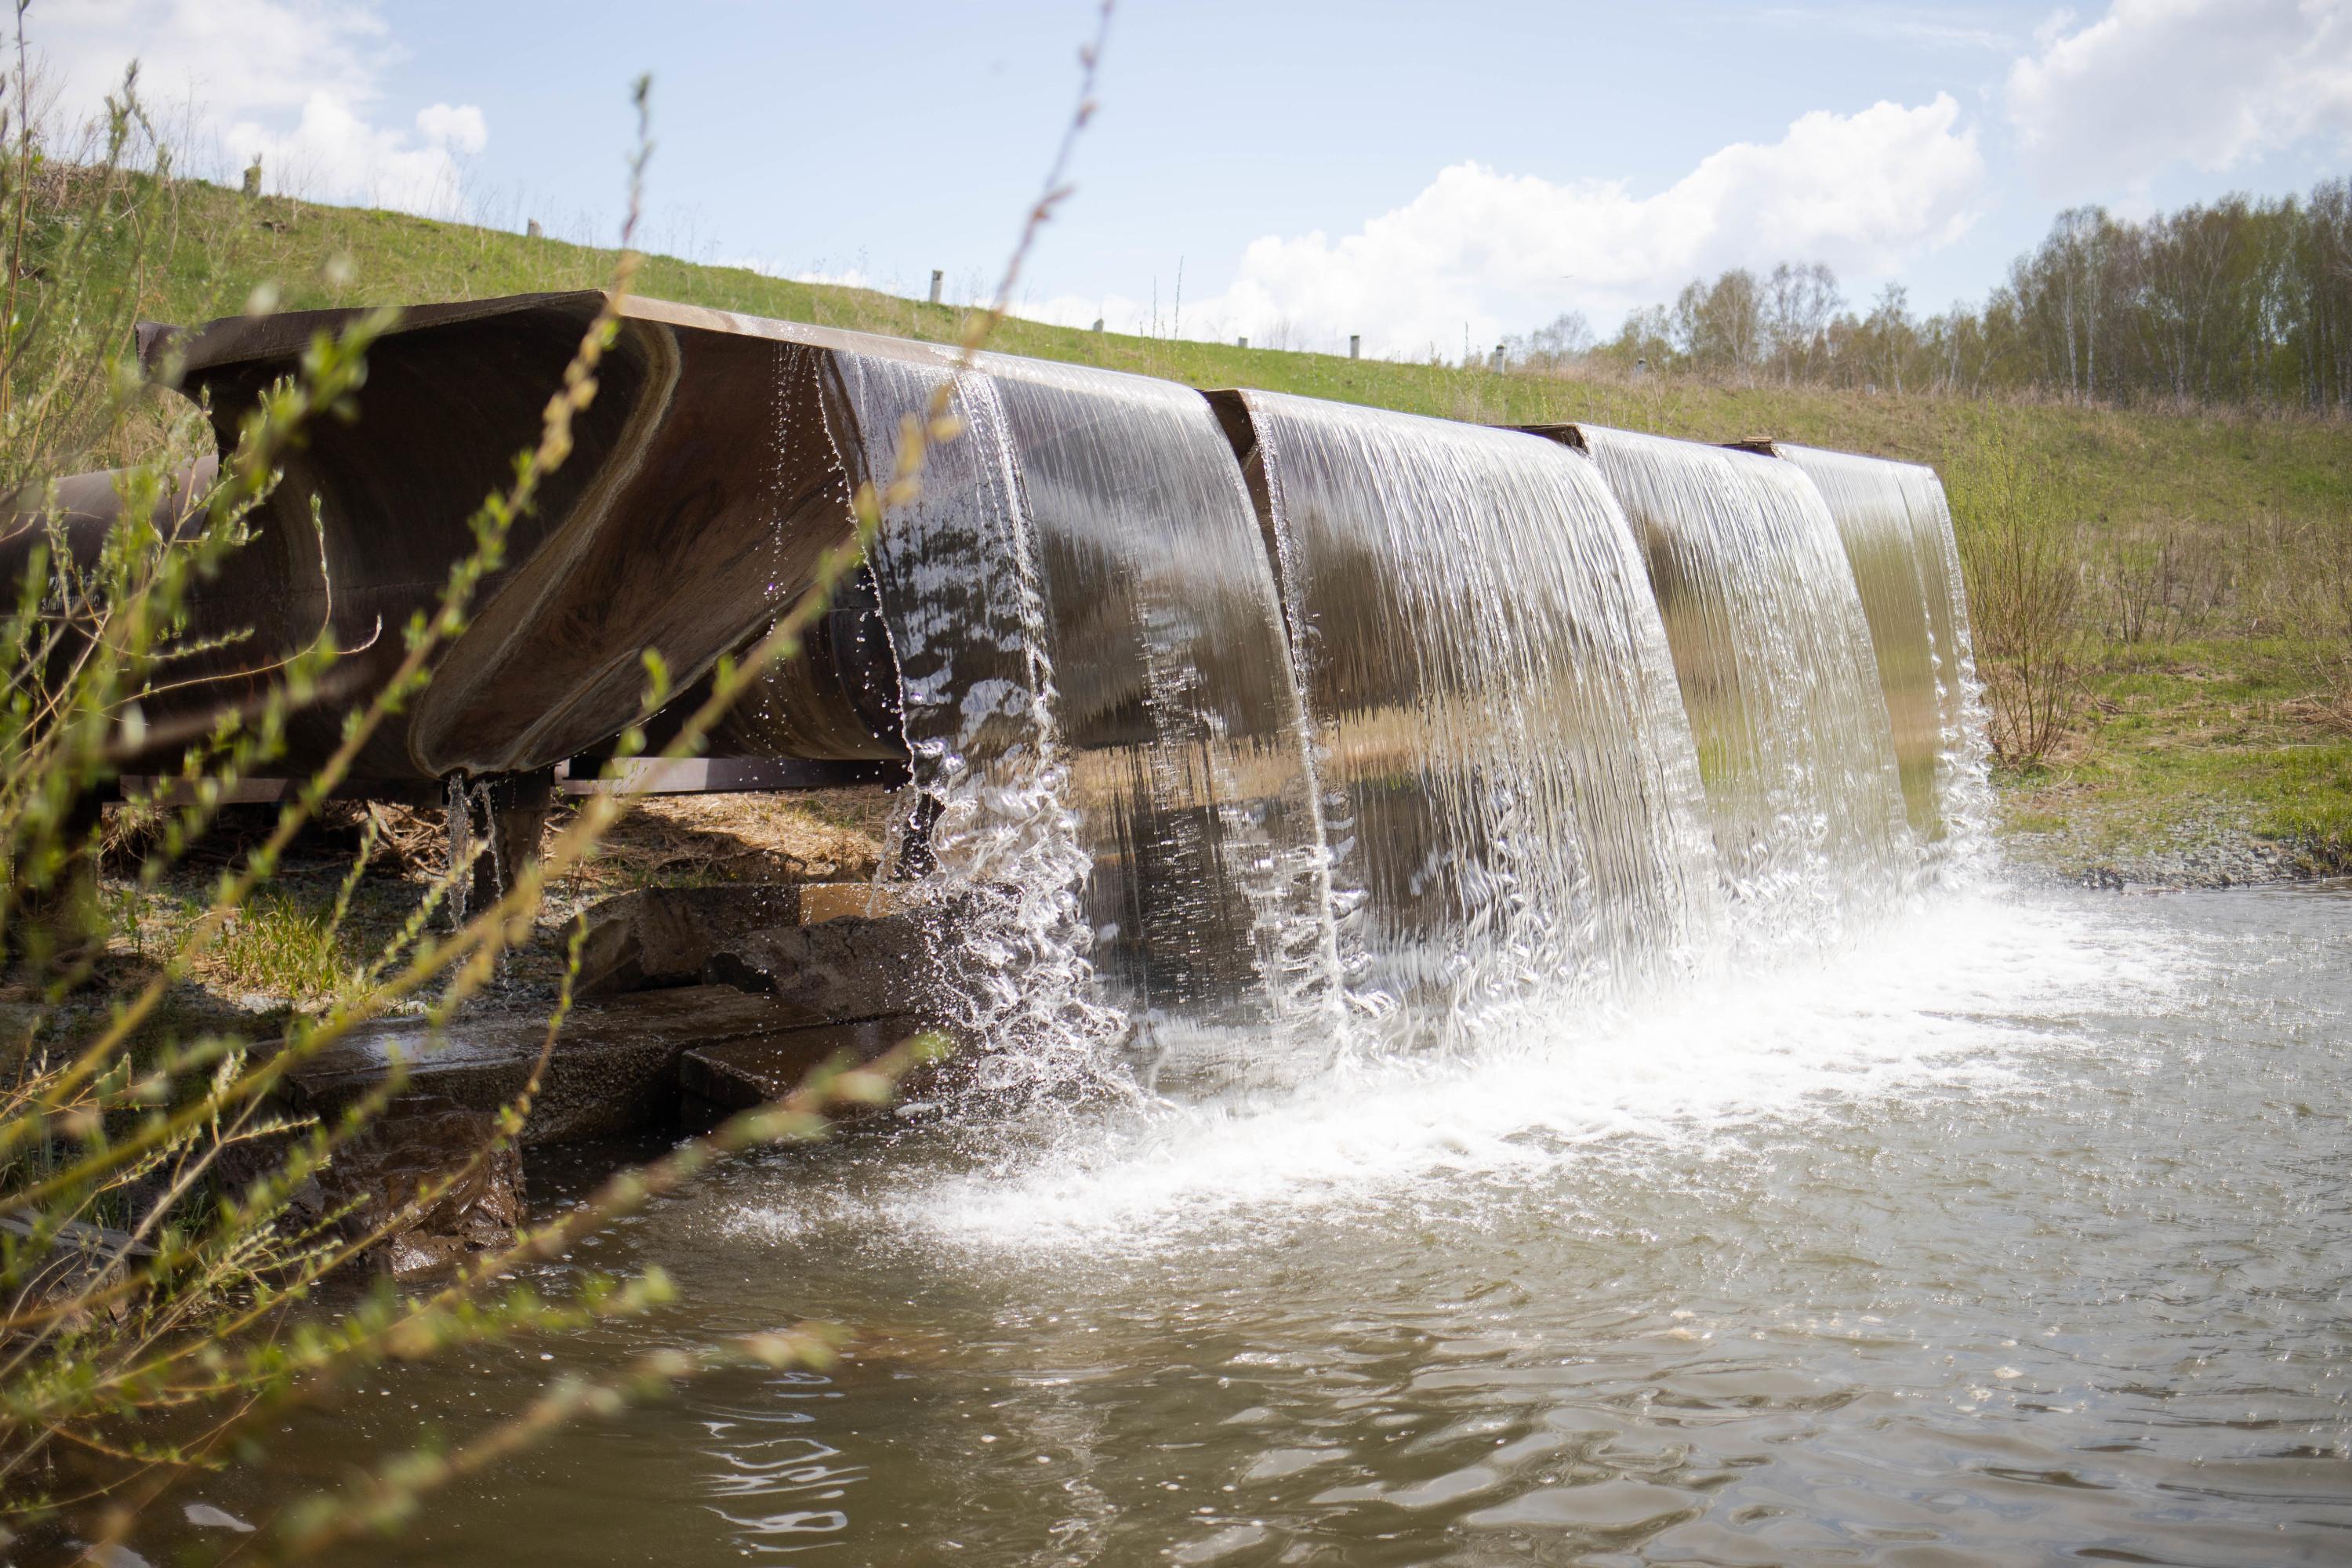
[{"x": 1957, "y": 997}]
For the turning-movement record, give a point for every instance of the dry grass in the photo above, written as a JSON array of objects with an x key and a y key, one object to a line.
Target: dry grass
[
  {"x": 2330, "y": 715},
  {"x": 829, "y": 836},
  {"x": 821, "y": 836},
  {"x": 283, "y": 950}
]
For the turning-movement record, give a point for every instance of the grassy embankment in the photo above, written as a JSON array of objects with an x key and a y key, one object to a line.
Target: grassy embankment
[{"x": 2228, "y": 534}]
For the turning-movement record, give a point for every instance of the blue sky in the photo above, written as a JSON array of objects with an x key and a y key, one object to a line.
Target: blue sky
[{"x": 1418, "y": 174}]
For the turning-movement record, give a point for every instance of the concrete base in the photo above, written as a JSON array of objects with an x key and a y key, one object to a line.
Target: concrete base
[
  {"x": 658, "y": 937},
  {"x": 613, "y": 1070},
  {"x": 846, "y": 967},
  {"x": 736, "y": 1075}
]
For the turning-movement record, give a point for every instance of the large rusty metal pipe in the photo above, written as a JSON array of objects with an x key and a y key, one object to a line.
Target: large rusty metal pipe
[{"x": 702, "y": 489}]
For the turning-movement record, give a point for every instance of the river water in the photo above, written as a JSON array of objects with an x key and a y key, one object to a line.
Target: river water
[{"x": 2020, "y": 1232}]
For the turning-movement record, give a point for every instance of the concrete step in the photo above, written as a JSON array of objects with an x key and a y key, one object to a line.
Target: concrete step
[
  {"x": 652, "y": 937},
  {"x": 615, "y": 1067},
  {"x": 736, "y": 1075},
  {"x": 846, "y": 967}
]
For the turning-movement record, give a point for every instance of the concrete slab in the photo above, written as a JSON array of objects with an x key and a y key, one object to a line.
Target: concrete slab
[
  {"x": 613, "y": 1070},
  {"x": 822, "y": 902},
  {"x": 656, "y": 937},
  {"x": 847, "y": 967},
  {"x": 736, "y": 1075}
]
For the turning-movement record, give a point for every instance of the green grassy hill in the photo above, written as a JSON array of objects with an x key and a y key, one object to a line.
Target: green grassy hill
[{"x": 2214, "y": 548}]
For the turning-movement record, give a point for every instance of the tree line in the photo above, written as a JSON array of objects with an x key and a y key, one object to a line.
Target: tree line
[{"x": 2245, "y": 301}]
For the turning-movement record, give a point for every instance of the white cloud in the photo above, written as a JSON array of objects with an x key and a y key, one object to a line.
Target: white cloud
[
  {"x": 1496, "y": 252},
  {"x": 293, "y": 81},
  {"x": 2156, "y": 83},
  {"x": 332, "y": 153},
  {"x": 460, "y": 128}
]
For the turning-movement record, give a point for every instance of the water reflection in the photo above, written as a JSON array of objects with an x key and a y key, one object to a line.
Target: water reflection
[{"x": 779, "y": 1491}]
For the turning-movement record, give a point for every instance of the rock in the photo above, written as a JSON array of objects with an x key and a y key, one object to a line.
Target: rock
[
  {"x": 21, "y": 1017},
  {"x": 658, "y": 937},
  {"x": 415, "y": 1141},
  {"x": 841, "y": 969},
  {"x": 614, "y": 1068},
  {"x": 80, "y": 1258},
  {"x": 739, "y": 1074},
  {"x": 2215, "y": 847}
]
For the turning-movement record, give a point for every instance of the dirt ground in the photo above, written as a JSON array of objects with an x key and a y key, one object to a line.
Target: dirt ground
[{"x": 286, "y": 950}]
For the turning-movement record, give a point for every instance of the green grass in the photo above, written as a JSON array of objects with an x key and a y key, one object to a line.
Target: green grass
[
  {"x": 2133, "y": 467},
  {"x": 2175, "y": 731},
  {"x": 2305, "y": 795},
  {"x": 2166, "y": 727},
  {"x": 280, "y": 946}
]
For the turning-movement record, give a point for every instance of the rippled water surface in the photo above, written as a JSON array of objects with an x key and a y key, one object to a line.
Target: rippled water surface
[{"x": 2023, "y": 1233}]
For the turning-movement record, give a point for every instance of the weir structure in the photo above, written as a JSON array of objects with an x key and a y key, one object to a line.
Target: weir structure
[{"x": 1235, "y": 710}]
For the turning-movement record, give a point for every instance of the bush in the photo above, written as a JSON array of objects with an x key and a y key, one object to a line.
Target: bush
[
  {"x": 152, "y": 1256},
  {"x": 2018, "y": 533}
]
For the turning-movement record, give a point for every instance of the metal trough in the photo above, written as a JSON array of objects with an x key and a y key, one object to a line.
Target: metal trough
[{"x": 701, "y": 490}]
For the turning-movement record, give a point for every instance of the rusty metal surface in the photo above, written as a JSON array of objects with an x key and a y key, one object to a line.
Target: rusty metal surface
[{"x": 701, "y": 492}]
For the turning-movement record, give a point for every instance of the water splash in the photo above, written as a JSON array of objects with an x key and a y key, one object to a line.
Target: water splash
[
  {"x": 1951, "y": 998},
  {"x": 1964, "y": 757},
  {"x": 1381, "y": 741},
  {"x": 1772, "y": 654},
  {"x": 956, "y": 572}
]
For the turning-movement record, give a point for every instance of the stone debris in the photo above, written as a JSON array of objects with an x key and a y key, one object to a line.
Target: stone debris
[
  {"x": 700, "y": 1000},
  {"x": 418, "y": 1142},
  {"x": 81, "y": 1258},
  {"x": 2211, "y": 845}
]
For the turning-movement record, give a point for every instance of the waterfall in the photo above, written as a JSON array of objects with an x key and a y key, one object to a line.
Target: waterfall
[
  {"x": 1964, "y": 751},
  {"x": 1098, "y": 697},
  {"x": 1511, "y": 792},
  {"x": 1246, "y": 733},
  {"x": 1772, "y": 653},
  {"x": 1896, "y": 526},
  {"x": 1393, "y": 728}
]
